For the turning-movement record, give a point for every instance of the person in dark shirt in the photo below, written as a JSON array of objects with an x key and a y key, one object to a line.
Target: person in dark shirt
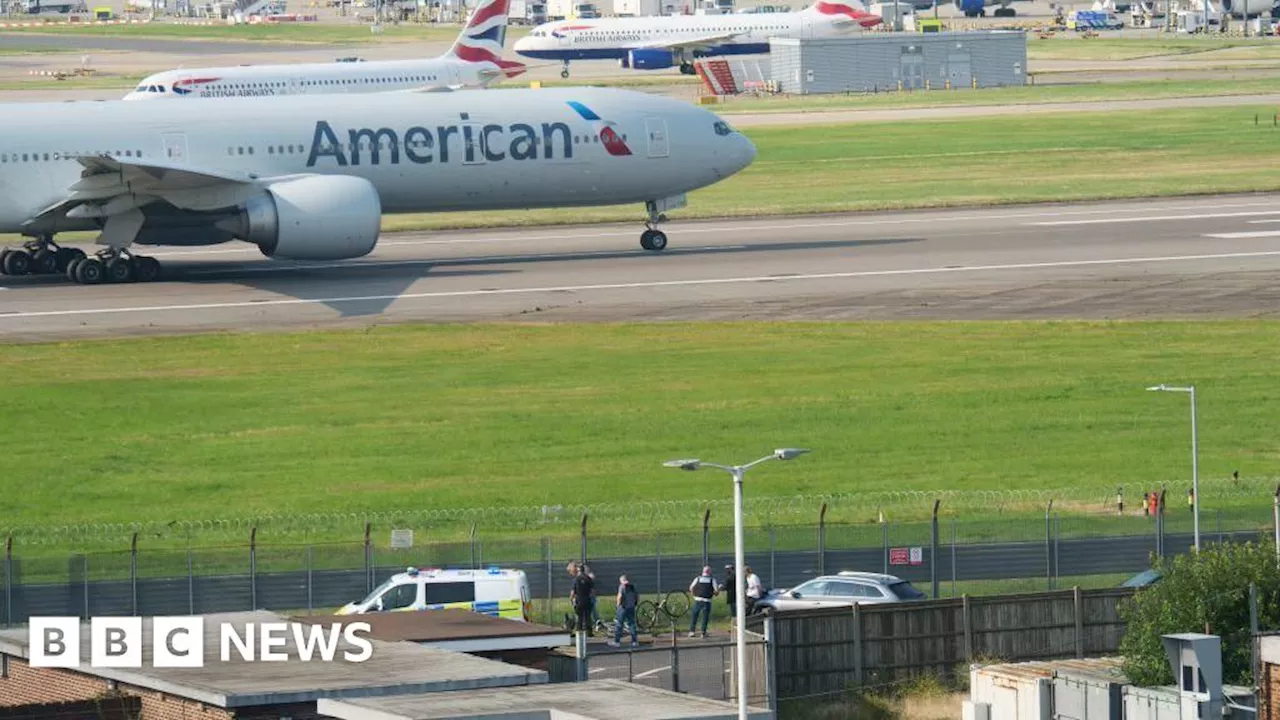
[
  {"x": 628, "y": 600},
  {"x": 703, "y": 588},
  {"x": 580, "y": 596},
  {"x": 729, "y": 587}
]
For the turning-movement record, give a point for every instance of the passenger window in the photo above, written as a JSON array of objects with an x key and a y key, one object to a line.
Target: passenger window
[
  {"x": 400, "y": 596},
  {"x": 454, "y": 592}
]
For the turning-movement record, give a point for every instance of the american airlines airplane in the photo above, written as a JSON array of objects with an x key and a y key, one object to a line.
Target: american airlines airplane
[
  {"x": 654, "y": 43},
  {"x": 306, "y": 178},
  {"x": 475, "y": 60}
]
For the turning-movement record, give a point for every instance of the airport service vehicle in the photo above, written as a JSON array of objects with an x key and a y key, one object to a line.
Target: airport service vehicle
[
  {"x": 527, "y": 12},
  {"x": 307, "y": 178},
  {"x": 840, "y": 590},
  {"x": 978, "y": 8},
  {"x": 655, "y": 43},
  {"x": 475, "y": 60},
  {"x": 1081, "y": 20},
  {"x": 495, "y": 592}
]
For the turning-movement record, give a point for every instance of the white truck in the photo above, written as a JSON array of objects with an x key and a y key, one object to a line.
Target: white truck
[
  {"x": 637, "y": 8},
  {"x": 571, "y": 10},
  {"x": 527, "y": 12}
]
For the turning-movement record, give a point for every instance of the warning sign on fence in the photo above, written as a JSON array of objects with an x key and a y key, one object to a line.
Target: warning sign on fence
[{"x": 906, "y": 556}]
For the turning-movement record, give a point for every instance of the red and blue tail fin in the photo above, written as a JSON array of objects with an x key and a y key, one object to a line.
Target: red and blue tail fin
[{"x": 483, "y": 38}]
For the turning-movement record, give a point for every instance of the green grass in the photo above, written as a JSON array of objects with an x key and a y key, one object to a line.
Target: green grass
[
  {"x": 877, "y": 166},
  {"x": 1072, "y": 47},
  {"x": 457, "y": 417},
  {"x": 1028, "y": 95},
  {"x": 95, "y": 82},
  {"x": 319, "y": 33}
]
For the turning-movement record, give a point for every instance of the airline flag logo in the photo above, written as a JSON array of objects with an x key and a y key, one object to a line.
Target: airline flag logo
[
  {"x": 484, "y": 37},
  {"x": 609, "y": 137},
  {"x": 568, "y": 29},
  {"x": 864, "y": 18},
  {"x": 187, "y": 86},
  {"x": 179, "y": 642}
]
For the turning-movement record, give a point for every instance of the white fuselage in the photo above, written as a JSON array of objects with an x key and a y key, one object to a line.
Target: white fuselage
[
  {"x": 312, "y": 79},
  {"x": 422, "y": 152}
]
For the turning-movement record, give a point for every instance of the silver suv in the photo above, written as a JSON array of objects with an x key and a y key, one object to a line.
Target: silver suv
[{"x": 843, "y": 589}]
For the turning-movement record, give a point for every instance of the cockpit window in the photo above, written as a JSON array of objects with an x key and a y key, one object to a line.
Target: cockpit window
[{"x": 722, "y": 128}]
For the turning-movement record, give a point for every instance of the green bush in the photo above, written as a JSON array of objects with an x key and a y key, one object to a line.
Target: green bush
[{"x": 1205, "y": 592}]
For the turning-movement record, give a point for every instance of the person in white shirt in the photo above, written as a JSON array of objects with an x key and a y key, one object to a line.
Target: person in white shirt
[{"x": 754, "y": 589}]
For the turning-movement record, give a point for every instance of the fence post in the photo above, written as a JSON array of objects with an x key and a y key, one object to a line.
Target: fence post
[
  {"x": 1218, "y": 512},
  {"x": 884, "y": 541},
  {"x": 1159, "y": 527},
  {"x": 1057, "y": 533},
  {"x": 546, "y": 556},
  {"x": 133, "y": 573},
  {"x": 658, "y": 550},
  {"x": 968, "y": 627},
  {"x": 85, "y": 566},
  {"x": 773, "y": 559},
  {"x": 1253, "y": 640},
  {"x": 584, "y": 538},
  {"x": 473, "y": 547},
  {"x": 933, "y": 549},
  {"x": 1078, "y": 600},
  {"x": 953, "y": 557},
  {"x": 675, "y": 659},
  {"x": 1275, "y": 517},
  {"x": 706, "y": 537},
  {"x": 822, "y": 540},
  {"x": 770, "y": 657},
  {"x": 857, "y": 646},
  {"x": 253, "y": 568},
  {"x": 1163, "y": 493},
  {"x": 1048, "y": 546},
  {"x": 368, "y": 557},
  {"x": 8, "y": 578},
  {"x": 191, "y": 584},
  {"x": 310, "y": 582}
]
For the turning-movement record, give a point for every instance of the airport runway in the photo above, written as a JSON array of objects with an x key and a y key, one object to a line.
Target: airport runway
[{"x": 1204, "y": 257}]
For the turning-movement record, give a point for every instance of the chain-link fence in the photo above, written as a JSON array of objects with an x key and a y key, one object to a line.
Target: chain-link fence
[{"x": 942, "y": 555}]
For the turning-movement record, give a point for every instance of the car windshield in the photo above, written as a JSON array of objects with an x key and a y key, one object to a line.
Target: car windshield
[
  {"x": 377, "y": 591},
  {"x": 906, "y": 591}
]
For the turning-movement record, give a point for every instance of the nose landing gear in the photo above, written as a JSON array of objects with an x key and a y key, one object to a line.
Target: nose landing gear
[
  {"x": 653, "y": 238},
  {"x": 564, "y": 73}
]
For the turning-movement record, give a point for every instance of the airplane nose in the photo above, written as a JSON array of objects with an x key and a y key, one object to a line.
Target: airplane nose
[{"x": 740, "y": 155}]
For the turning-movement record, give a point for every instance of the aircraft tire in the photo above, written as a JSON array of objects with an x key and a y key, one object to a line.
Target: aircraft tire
[
  {"x": 90, "y": 271},
  {"x": 4, "y": 254},
  {"x": 66, "y": 255},
  {"x": 654, "y": 240},
  {"x": 44, "y": 262},
  {"x": 146, "y": 269},
  {"x": 120, "y": 270},
  {"x": 564, "y": 74},
  {"x": 17, "y": 262}
]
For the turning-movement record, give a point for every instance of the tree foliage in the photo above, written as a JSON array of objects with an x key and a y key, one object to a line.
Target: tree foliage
[{"x": 1198, "y": 591}]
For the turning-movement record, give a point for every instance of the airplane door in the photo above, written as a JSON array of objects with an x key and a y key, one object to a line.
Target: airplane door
[
  {"x": 806, "y": 27},
  {"x": 473, "y": 148},
  {"x": 175, "y": 147},
  {"x": 656, "y": 130},
  {"x": 295, "y": 86},
  {"x": 455, "y": 78}
]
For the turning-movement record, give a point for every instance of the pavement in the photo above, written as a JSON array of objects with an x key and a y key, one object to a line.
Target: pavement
[{"x": 1178, "y": 258}]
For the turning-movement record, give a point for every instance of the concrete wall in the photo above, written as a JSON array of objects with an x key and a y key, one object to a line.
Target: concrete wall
[{"x": 892, "y": 61}]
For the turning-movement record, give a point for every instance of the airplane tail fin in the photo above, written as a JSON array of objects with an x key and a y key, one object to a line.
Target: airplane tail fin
[
  {"x": 483, "y": 38},
  {"x": 844, "y": 12}
]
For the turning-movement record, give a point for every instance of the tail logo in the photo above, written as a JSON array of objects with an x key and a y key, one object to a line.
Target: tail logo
[
  {"x": 483, "y": 38},
  {"x": 864, "y": 18},
  {"x": 612, "y": 141}
]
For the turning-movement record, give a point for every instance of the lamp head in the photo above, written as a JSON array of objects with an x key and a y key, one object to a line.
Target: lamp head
[
  {"x": 687, "y": 464},
  {"x": 789, "y": 453}
]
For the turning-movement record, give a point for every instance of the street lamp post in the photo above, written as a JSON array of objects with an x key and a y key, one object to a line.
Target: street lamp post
[
  {"x": 1195, "y": 456},
  {"x": 739, "y": 552}
]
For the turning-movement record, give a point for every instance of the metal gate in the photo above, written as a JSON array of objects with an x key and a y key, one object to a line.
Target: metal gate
[
  {"x": 960, "y": 70},
  {"x": 912, "y": 66}
]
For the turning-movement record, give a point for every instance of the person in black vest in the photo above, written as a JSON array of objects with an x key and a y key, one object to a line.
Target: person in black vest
[
  {"x": 580, "y": 596},
  {"x": 729, "y": 586},
  {"x": 628, "y": 599},
  {"x": 703, "y": 589}
]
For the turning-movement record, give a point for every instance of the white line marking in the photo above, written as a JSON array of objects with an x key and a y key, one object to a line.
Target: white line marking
[
  {"x": 1155, "y": 218},
  {"x": 635, "y": 285},
  {"x": 1263, "y": 222},
  {"x": 598, "y": 670},
  {"x": 1243, "y": 235},
  {"x": 654, "y": 671},
  {"x": 512, "y": 235}
]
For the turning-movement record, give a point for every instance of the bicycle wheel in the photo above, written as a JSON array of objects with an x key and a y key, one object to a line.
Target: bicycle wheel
[
  {"x": 676, "y": 605},
  {"x": 646, "y": 616}
]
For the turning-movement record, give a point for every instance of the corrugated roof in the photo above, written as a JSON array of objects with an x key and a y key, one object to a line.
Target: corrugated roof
[{"x": 1108, "y": 668}]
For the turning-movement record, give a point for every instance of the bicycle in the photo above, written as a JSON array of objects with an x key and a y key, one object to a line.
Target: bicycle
[{"x": 673, "y": 606}]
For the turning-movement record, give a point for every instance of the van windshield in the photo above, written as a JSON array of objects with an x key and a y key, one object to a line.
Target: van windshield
[{"x": 376, "y": 592}]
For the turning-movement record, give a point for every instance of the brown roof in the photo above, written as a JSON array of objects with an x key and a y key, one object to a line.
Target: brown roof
[{"x": 435, "y": 625}]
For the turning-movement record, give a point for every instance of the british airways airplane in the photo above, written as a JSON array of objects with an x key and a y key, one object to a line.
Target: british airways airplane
[
  {"x": 305, "y": 178},
  {"x": 475, "y": 60},
  {"x": 654, "y": 43}
]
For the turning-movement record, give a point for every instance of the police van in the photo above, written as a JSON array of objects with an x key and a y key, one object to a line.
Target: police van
[{"x": 496, "y": 592}]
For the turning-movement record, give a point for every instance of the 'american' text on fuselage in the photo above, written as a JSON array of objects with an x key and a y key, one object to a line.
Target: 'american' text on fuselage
[{"x": 477, "y": 142}]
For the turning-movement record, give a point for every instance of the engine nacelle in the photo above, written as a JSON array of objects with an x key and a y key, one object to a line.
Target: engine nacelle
[
  {"x": 1249, "y": 8},
  {"x": 970, "y": 8},
  {"x": 320, "y": 217},
  {"x": 651, "y": 59}
]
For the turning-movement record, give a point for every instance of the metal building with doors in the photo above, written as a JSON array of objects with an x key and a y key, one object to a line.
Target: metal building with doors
[{"x": 879, "y": 62}]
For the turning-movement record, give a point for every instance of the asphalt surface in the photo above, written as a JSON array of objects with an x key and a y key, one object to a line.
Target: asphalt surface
[{"x": 1201, "y": 257}]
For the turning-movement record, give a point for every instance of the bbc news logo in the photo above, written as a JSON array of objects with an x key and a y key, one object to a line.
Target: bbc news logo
[{"x": 178, "y": 642}]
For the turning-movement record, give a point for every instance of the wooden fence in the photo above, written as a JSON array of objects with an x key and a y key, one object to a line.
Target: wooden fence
[{"x": 833, "y": 650}]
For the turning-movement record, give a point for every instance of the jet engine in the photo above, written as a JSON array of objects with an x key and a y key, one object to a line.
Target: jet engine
[
  {"x": 317, "y": 217},
  {"x": 650, "y": 59},
  {"x": 971, "y": 8}
]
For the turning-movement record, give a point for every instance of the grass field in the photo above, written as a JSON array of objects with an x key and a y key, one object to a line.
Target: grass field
[
  {"x": 454, "y": 416},
  {"x": 313, "y": 33},
  {"x": 1030, "y": 95},
  {"x": 1071, "y": 47},
  {"x": 873, "y": 166}
]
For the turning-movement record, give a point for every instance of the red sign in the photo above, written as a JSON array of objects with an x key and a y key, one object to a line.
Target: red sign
[{"x": 899, "y": 556}]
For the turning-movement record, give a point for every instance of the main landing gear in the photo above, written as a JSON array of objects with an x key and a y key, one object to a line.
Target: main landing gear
[
  {"x": 653, "y": 238},
  {"x": 686, "y": 68},
  {"x": 564, "y": 73},
  {"x": 44, "y": 257}
]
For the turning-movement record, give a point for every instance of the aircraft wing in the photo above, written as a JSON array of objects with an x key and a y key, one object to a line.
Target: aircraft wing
[
  {"x": 687, "y": 44},
  {"x": 111, "y": 186}
]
